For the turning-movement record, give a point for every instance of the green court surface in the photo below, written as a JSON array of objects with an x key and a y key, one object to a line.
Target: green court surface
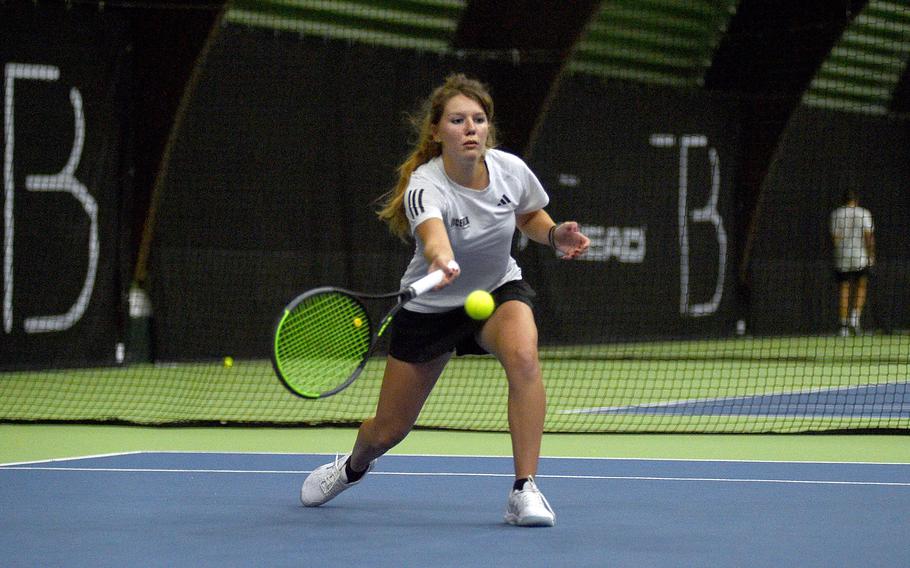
[{"x": 30, "y": 442}]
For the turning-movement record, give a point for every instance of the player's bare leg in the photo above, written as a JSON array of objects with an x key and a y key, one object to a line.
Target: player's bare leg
[
  {"x": 405, "y": 388},
  {"x": 859, "y": 302},
  {"x": 843, "y": 307},
  {"x": 511, "y": 335}
]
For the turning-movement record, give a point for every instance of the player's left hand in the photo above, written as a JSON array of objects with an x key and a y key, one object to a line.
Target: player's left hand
[{"x": 570, "y": 241}]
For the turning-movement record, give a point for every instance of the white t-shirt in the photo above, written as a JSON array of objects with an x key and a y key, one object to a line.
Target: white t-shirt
[
  {"x": 480, "y": 225},
  {"x": 848, "y": 227}
]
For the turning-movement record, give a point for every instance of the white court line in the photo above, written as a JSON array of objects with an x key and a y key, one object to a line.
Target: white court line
[
  {"x": 74, "y": 458},
  {"x": 462, "y": 474},
  {"x": 147, "y": 452},
  {"x": 455, "y": 456}
]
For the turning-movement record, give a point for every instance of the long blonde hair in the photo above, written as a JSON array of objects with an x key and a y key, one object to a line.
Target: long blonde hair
[{"x": 392, "y": 211}]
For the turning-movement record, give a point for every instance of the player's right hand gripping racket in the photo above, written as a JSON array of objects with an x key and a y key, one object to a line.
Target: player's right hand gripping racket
[{"x": 325, "y": 336}]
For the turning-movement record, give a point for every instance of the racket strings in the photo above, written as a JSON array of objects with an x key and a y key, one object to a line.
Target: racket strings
[{"x": 321, "y": 341}]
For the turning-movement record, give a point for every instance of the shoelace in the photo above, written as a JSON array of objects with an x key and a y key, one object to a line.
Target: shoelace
[
  {"x": 332, "y": 478},
  {"x": 543, "y": 499},
  {"x": 529, "y": 493}
]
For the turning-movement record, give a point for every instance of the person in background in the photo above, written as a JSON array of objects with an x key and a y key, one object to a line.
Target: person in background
[{"x": 852, "y": 233}]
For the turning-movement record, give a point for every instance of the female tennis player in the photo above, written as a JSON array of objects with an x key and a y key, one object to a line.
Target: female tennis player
[{"x": 461, "y": 199}]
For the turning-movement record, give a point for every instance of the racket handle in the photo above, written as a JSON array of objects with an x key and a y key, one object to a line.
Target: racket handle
[{"x": 428, "y": 282}]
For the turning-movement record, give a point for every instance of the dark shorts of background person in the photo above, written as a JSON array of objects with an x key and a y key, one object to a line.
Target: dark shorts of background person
[
  {"x": 852, "y": 275},
  {"x": 418, "y": 337}
]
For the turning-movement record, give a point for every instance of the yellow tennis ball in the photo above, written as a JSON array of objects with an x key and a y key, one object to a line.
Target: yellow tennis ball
[
  {"x": 229, "y": 362},
  {"x": 358, "y": 322},
  {"x": 479, "y": 305}
]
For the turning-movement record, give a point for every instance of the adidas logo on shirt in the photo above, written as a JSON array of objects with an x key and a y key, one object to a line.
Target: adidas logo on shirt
[{"x": 504, "y": 200}]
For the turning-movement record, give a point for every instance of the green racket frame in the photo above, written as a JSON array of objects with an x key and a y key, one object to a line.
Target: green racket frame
[{"x": 325, "y": 336}]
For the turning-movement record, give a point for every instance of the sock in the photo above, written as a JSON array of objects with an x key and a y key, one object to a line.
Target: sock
[
  {"x": 350, "y": 473},
  {"x": 520, "y": 484},
  {"x": 854, "y": 319}
]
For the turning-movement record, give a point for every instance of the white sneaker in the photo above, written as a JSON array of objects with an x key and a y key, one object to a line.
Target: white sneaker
[
  {"x": 529, "y": 508},
  {"x": 325, "y": 482}
]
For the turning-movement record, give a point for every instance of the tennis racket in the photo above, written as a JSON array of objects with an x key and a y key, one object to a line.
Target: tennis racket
[{"x": 325, "y": 336}]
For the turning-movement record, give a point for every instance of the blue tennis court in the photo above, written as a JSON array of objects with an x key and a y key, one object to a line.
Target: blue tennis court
[
  {"x": 220, "y": 509},
  {"x": 860, "y": 401}
]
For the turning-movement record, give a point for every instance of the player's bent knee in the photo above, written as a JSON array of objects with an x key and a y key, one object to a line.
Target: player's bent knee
[{"x": 521, "y": 361}]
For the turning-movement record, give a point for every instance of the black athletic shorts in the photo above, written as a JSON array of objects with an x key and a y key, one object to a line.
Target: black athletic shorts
[
  {"x": 418, "y": 337},
  {"x": 852, "y": 276}
]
